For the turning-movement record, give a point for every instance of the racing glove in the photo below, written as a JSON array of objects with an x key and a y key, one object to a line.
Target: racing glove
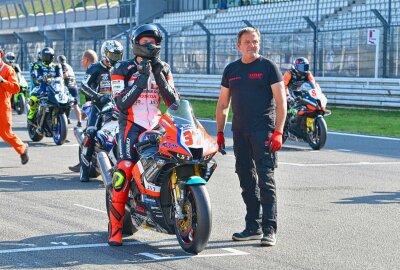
[
  {"x": 275, "y": 142},
  {"x": 157, "y": 66},
  {"x": 144, "y": 71},
  {"x": 221, "y": 141}
]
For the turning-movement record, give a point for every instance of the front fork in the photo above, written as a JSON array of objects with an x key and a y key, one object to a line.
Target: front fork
[{"x": 178, "y": 191}]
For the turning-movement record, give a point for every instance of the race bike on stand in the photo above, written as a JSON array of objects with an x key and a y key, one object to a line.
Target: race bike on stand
[
  {"x": 305, "y": 118},
  {"x": 106, "y": 135},
  {"x": 50, "y": 119},
  {"x": 18, "y": 101},
  {"x": 167, "y": 192}
]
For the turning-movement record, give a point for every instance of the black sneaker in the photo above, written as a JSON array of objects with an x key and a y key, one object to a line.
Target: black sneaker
[
  {"x": 269, "y": 238},
  {"x": 79, "y": 124},
  {"x": 25, "y": 156},
  {"x": 247, "y": 235},
  {"x": 75, "y": 168}
]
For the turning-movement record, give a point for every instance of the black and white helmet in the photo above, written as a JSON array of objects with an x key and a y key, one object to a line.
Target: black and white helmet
[
  {"x": 112, "y": 51},
  {"x": 10, "y": 57}
]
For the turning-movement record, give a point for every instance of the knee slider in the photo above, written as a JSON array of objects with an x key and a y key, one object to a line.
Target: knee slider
[
  {"x": 32, "y": 100},
  {"x": 118, "y": 179}
]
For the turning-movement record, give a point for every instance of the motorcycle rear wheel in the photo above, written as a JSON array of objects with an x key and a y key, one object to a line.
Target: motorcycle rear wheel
[
  {"x": 317, "y": 138},
  {"x": 33, "y": 134},
  {"x": 60, "y": 134},
  {"x": 193, "y": 231}
]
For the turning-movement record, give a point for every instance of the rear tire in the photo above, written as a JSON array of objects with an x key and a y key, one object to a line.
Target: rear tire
[
  {"x": 194, "y": 230},
  {"x": 317, "y": 138},
  {"x": 33, "y": 135}
]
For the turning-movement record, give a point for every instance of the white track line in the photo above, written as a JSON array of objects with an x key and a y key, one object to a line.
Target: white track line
[
  {"x": 231, "y": 252},
  {"x": 90, "y": 208},
  {"x": 363, "y": 163},
  {"x": 63, "y": 247}
]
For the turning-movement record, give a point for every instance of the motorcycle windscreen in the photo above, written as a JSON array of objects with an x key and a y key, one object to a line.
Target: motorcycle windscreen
[
  {"x": 315, "y": 92},
  {"x": 193, "y": 134}
]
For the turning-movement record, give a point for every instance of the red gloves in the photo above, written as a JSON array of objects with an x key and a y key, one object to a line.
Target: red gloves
[
  {"x": 275, "y": 142},
  {"x": 220, "y": 140}
]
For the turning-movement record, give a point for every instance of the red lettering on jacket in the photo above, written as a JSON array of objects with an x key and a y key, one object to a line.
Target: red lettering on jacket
[
  {"x": 235, "y": 78},
  {"x": 255, "y": 76}
]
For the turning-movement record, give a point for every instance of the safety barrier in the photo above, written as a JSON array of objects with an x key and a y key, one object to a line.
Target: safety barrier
[{"x": 345, "y": 92}]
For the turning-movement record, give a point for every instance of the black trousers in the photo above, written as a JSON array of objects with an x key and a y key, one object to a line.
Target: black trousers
[
  {"x": 91, "y": 131},
  {"x": 255, "y": 167}
]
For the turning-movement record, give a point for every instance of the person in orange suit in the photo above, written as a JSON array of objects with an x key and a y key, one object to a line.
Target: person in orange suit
[{"x": 8, "y": 87}]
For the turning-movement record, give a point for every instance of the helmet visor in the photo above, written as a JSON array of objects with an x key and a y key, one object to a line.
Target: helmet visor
[
  {"x": 304, "y": 68},
  {"x": 115, "y": 57}
]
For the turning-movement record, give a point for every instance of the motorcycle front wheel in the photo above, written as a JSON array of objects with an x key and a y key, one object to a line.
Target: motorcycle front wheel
[
  {"x": 20, "y": 105},
  {"x": 60, "y": 129},
  {"x": 317, "y": 138},
  {"x": 194, "y": 229}
]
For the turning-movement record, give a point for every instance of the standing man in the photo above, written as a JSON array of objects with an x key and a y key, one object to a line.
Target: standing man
[
  {"x": 138, "y": 85},
  {"x": 70, "y": 83},
  {"x": 253, "y": 83},
  {"x": 88, "y": 58},
  {"x": 8, "y": 86}
]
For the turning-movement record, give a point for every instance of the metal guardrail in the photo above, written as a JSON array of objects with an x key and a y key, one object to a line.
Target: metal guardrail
[{"x": 345, "y": 92}]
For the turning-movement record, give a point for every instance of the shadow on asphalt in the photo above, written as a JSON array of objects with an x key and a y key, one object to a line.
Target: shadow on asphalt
[
  {"x": 379, "y": 197},
  {"x": 91, "y": 248},
  {"x": 46, "y": 182}
]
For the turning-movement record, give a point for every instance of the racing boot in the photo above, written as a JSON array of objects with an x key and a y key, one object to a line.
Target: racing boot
[
  {"x": 84, "y": 173},
  {"x": 120, "y": 193},
  {"x": 33, "y": 106}
]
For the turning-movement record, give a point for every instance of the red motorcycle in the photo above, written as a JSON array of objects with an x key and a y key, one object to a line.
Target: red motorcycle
[{"x": 168, "y": 193}]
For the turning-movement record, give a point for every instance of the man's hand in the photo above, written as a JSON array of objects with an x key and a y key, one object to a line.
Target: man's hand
[
  {"x": 275, "y": 142},
  {"x": 221, "y": 142}
]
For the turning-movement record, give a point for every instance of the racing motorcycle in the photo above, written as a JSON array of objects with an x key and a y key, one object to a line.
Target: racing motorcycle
[
  {"x": 106, "y": 135},
  {"x": 50, "y": 119},
  {"x": 18, "y": 101},
  {"x": 305, "y": 118},
  {"x": 168, "y": 193}
]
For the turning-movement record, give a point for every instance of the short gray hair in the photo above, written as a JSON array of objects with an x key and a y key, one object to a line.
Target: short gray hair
[{"x": 247, "y": 30}]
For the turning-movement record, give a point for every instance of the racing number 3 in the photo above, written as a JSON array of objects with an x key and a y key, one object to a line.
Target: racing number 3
[{"x": 189, "y": 137}]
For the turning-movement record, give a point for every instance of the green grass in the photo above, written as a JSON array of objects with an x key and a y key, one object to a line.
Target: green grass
[
  {"x": 386, "y": 123},
  {"x": 374, "y": 122}
]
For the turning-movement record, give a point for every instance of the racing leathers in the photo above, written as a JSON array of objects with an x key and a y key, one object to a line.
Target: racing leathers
[
  {"x": 137, "y": 94},
  {"x": 97, "y": 85},
  {"x": 32, "y": 67},
  {"x": 40, "y": 75},
  {"x": 293, "y": 79}
]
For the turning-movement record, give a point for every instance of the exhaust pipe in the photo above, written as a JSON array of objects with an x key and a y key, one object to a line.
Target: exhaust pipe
[
  {"x": 78, "y": 132},
  {"x": 105, "y": 168}
]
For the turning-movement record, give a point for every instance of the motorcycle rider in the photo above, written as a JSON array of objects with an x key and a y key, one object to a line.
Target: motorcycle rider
[
  {"x": 137, "y": 86},
  {"x": 97, "y": 86},
  {"x": 42, "y": 73},
  {"x": 10, "y": 60},
  {"x": 296, "y": 76},
  {"x": 32, "y": 67},
  {"x": 70, "y": 83}
]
